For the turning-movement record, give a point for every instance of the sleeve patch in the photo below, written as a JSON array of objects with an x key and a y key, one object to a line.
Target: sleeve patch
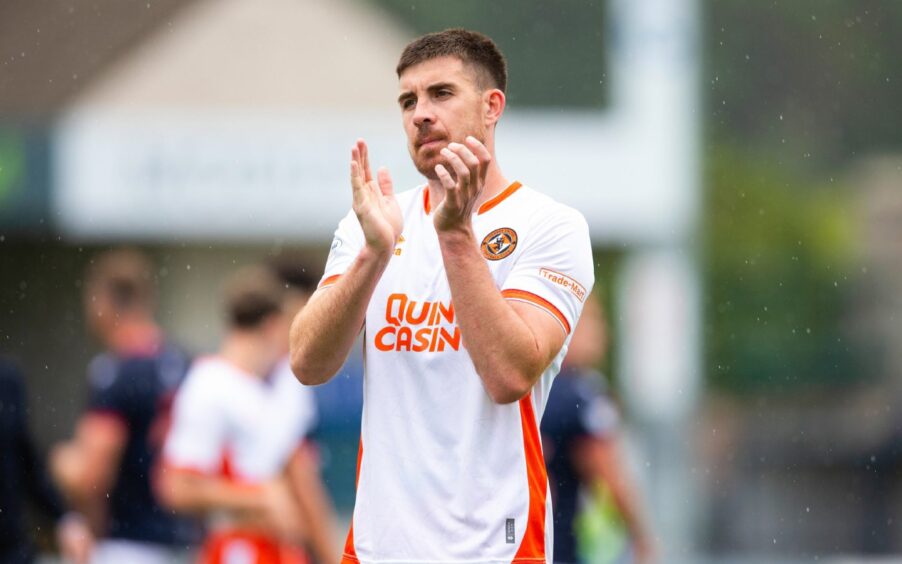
[{"x": 564, "y": 281}]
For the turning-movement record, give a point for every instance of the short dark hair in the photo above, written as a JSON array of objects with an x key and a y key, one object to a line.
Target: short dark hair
[
  {"x": 125, "y": 276},
  {"x": 252, "y": 294},
  {"x": 292, "y": 269},
  {"x": 471, "y": 47}
]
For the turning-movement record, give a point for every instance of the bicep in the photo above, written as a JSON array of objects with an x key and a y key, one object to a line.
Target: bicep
[
  {"x": 546, "y": 329},
  {"x": 551, "y": 279},
  {"x": 101, "y": 438}
]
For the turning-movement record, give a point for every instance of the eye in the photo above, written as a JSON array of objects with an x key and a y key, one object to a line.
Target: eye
[
  {"x": 407, "y": 103},
  {"x": 443, "y": 93}
]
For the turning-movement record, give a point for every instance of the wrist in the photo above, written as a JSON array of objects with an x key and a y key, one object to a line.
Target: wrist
[
  {"x": 379, "y": 257},
  {"x": 459, "y": 236}
]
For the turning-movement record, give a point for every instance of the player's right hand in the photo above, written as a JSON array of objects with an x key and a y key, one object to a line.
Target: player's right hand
[{"x": 374, "y": 202}]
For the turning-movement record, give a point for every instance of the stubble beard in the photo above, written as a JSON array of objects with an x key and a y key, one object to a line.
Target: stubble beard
[{"x": 425, "y": 163}]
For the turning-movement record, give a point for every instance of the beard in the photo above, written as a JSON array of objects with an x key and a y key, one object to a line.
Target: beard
[{"x": 425, "y": 160}]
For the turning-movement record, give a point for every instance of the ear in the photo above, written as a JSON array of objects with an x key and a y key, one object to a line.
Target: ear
[{"x": 493, "y": 103}]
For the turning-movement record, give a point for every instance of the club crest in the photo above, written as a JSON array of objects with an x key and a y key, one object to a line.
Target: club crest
[{"x": 499, "y": 243}]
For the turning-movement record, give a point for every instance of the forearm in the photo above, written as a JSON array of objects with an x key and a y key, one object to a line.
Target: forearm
[
  {"x": 504, "y": 350},
  {"x": 188, "y": 493},
  {"x": 627, "y": 501},
  {"x": 324, "y": 331},
  {"x": 607, "y": 467},
  {"x": 315, "y": 506},
  {"x": 81, "y": 476}
]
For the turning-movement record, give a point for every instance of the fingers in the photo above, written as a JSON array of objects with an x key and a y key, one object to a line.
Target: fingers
[
  {"x": 364, "y": 160},
  {"x": 478, "y": 149},
  {"x": 452, "y": 194},
  {"x": 445, "y": 177},
  {"x": 467, "y": 168},
  {"x": 385, "y": 183},
  {"x": 482, "y": 154},
  {"x": 356, "y": 181},
  {"x": 451, "y": 152}
]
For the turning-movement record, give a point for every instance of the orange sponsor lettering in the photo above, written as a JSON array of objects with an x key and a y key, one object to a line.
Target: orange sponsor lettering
[{"x": 406, "y": 331}]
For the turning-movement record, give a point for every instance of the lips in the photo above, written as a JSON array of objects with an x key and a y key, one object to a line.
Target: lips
[{"x": 429, "y": 142}]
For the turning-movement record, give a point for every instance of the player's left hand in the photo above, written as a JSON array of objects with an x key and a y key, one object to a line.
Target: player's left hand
[{"x": 470, "y": 163}]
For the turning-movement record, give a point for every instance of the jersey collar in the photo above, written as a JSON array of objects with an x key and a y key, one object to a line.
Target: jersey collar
[{"x": 486, "y": 206}]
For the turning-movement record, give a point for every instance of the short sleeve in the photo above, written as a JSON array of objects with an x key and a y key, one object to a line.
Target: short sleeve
[
  {"x": 598, "y": 417},
  {"x": 197, "y": 436},
  {"x": 555, "y": 269},
  {"x": 108, "y": 393},
  {"x": 346, "y": 245}
]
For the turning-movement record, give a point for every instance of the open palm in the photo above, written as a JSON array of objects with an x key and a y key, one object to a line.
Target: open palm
[{"x": 374, "y": 202}]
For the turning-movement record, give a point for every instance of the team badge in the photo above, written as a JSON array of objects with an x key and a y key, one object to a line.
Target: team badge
[{"x": 499, "y": 243}]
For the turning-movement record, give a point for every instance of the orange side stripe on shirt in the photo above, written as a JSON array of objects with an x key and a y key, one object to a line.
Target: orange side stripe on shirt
[
  {"x": 532, "y": 547},
  {"x": 350, "y": 554},
  {"x": 539, "y": 301},
  {"x": 330, "y": 280}
]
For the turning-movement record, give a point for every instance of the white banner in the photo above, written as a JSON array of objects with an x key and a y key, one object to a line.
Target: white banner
[{"x": 222, "y": 176}]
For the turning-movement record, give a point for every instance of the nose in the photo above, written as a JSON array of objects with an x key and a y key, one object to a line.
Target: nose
[{"x": 423, "y": 113}]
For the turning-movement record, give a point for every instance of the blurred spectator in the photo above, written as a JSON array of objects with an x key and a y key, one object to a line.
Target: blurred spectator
[
  {"x": 22, "y": 474},
  {"x": 106, "y": 468},
  {"x": 299, "y": 284},
  {"x": 582, "y": 445},
  {"x": 232, "y": 453}
]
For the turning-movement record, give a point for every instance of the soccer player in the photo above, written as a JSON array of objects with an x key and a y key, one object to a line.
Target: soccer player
[
  {"x": 232, "y": 451},
  {"x": 107, "y": 467},
  {"x": 466, "y": 288},
  {"x": 582, "y": 444}
]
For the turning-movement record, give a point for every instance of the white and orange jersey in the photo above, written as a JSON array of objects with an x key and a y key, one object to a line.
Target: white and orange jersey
[
  {"x": 236, "y": 425},
  {"x": 445, "y": 474}
]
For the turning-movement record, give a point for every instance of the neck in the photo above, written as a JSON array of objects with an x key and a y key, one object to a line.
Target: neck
[
  {"x": 247, "y": 352},
  {"x": 495, "y": 183}
]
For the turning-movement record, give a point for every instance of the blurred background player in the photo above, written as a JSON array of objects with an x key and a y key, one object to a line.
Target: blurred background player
[
  {"x": 23, "y": 477},
  {"x": 233, "y": 452},
  {"x": 582, "y": 445},
  {"x": 299, "y": 283},
  {"x": 107, "y": 467}
]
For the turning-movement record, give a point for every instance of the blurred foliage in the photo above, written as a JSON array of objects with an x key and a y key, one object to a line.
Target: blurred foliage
[
  {"x": 821, "y": 77},
  {"x": 778, "y": 248},
  {"x": 795, "y": 91},
  {"x": 554, "y": 49}
]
